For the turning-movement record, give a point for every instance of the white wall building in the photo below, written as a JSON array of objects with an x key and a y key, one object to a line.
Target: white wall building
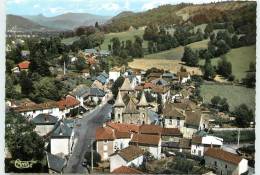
[
  {"x": 200, "y": 144},
  {"x": 225, "y": 163},
  {"x": 131, "y": 155}
]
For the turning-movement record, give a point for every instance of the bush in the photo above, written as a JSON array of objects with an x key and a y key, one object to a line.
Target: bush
[{"x": 96, "y": 158}]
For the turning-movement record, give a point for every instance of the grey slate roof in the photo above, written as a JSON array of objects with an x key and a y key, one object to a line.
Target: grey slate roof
[
  {"x": 104, "y": 74},
  {"x": 55, "y": 163},
  {"x": 96, "y": 92},
  {"x": 63, "y": 130},
  {"x": 45, "y": 119},
  {"x": 80, "y": 90},
  {"x": 101, "y": 79}
]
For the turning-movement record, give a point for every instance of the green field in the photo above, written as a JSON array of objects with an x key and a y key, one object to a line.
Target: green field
[
  {"x": 176, "y": 53},
  {"x": 240, "y": 59},
  {"x": 235, "y": 95},
  {"x": 70, "y": 40},
  {"x": 123, "y": 36}
]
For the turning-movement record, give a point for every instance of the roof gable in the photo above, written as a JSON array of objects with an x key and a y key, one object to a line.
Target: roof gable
[
  {"x": 129, "y": 153},
  {"x": 223, "y": 155}
]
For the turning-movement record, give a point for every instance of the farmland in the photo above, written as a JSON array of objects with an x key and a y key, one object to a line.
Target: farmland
[
  {"x": 235, "y": 95},
  {"x": 240, "y": 59}
]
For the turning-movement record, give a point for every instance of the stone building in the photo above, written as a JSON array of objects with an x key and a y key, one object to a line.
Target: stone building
[{"x": 127, "y": 109}]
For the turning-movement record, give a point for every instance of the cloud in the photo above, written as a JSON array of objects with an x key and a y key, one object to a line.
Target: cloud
[
  {"x": 155, "y": 3},
  {"x": 56, "y": 10},
  {"x": 110, "y": 7}
]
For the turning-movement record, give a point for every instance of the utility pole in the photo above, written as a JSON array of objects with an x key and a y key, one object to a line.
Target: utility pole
[
  {"x": 91, "y": 147},
  {"x": 64, "y": 67},
  {"x": 238, "y": 138}
]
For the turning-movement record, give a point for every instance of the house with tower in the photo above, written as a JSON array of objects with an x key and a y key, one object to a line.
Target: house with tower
[{"x": 128, "y": 109}]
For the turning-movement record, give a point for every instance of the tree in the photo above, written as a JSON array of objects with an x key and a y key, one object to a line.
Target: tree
[
  {"x": 235, "y": 41},
  {"x": 96, "y": 25},
  {"x": 250, "y": 80},
  {"x": 209, "y": 71},
  {"x": 25, "y": 83},
  {"x": 80, "y": 64},
  {"x": 10, "y": 88},
  {"x": 190, "y": 57},
  {"x": 215, "y": 100},
  {"x": 116, "y": 46},
  {"x": 117, "y": 84},
  {"x": 224, "y": 67},
  {"x": 47, "y": 88},
  {"x": 23, "y": 142},
  {"x": 150, "y": 33},
  {"x": 244, "y": 115},
  {"x": 137, "y": 47},
  {"x": 39, "y": 63},
  {"x": 208, "y": 29}
]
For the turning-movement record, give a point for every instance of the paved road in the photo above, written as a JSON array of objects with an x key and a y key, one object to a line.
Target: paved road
[{"x": 83, "y": 135}]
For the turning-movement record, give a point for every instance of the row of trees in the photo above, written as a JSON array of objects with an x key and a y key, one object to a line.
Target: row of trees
[{"x": 126, "y": 48}]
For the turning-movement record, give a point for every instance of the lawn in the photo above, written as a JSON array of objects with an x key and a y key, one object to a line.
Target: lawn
[
  {"x": 123, "y": 36},
  {"x": 235, "y": 95},
  {"x": 240, "y": 59}
]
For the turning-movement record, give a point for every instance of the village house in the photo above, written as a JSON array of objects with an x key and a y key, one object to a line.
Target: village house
[
  {"x": 183, "y": 77},
  {"x": 172, "y": 118},
  {"x": 200, "y": 144},
  {"x": 55, "y": 163},
  {"x": 147, "y": 142},
  {"x": 225, "y": 163},
  {"x": 109, "y": 140},
  {"x": 128, "y": 156},
  {"x": 180, "y": 145},
  {"x": 44, "y": 123},
  {"x": 126, "y": 170},
  {"x": 61, "y": 141},
  {"x": 31, "y": 111},
  {"x": 94, "y": 95},
  {"x": 67, "y": 104},
  {"x": 79, "y": 92},
  {"x": 22, "y": 66},
  {"x": 114, "y": 73}
]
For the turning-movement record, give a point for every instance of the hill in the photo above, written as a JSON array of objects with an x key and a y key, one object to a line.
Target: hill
[
  {"x": 22, "y": 24},
  {"x": 68, "y": 20},
  {"x": 188, "y": 13}
]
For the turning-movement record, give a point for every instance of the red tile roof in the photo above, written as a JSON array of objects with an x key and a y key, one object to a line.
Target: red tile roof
[
  {"x": 24, "y": 65},
  {"x": 129, "y": 153},
  {"x": 123, "y": 127},
  {"x": 104, "y": 134},
  {"x": 107, "y": 133},
  {"x": 126, "y": 170},
  {"x": 145, "y": 139},
  {"x": 171, "y": 132},
  {"x": 148, "y": 85},
  {"x": 150, "y": 129},
  {"x": 68, "y": 102},
  {"x": 223, "y": 155}
]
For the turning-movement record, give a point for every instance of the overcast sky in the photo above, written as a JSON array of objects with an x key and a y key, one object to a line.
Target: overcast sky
[{"x": 98, "y": 7}]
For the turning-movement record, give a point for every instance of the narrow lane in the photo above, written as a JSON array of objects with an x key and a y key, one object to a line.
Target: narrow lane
[{"x": 84, "y": 134}]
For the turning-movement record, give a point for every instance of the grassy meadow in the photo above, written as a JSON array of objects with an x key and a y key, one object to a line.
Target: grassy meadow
[
  {"x": 240, "y": 59},
  {"x": 235, "y": 95},
  {"x": 123, "y": 36}
]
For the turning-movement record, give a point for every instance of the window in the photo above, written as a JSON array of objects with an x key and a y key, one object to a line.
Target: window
[
  {"x": 170, "y": 121},
  {"x": 105, "y": 141},
  {"x": 178, "y": 121},
  {"x": 118, "y": 116},
  {"x": 225, "y": 166},
  {"x": 215, "y": 163},
  {"x": 105, "y": 148}
]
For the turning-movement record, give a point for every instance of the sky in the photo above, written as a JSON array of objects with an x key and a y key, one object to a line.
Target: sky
[{"x": 98, "y": 7}]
